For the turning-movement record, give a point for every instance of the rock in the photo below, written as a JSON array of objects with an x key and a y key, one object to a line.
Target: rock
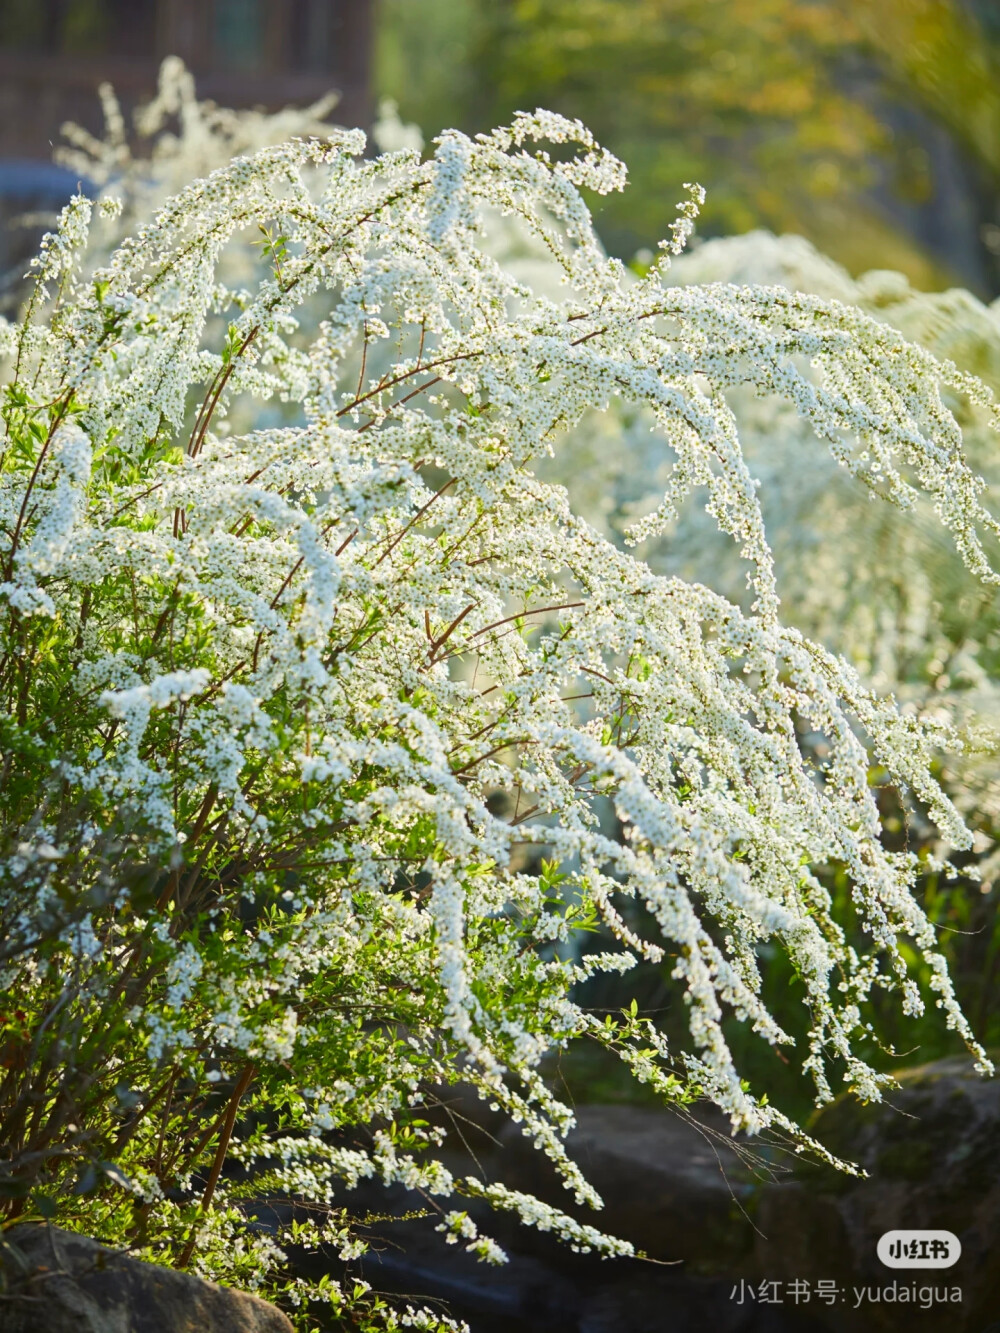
[
  {"x": 674, "y": 1187},
  {"x": 524, "y": 1294},
  {"x": 683, "y": 1304},
  {"x": 58, "y": 1282},
  {"x": 554, "y": 1291},
  {"x": 671, "y": 1186},
  {"x": 931, "y": 1152}
]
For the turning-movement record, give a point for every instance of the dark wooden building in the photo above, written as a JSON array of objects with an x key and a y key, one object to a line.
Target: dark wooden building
[
  {"x": 271, "y": 53},
  {"x": 243, "y": 53}
]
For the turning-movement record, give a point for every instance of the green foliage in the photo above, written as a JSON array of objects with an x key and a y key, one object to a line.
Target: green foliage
[{"x": 785, "y": 111}]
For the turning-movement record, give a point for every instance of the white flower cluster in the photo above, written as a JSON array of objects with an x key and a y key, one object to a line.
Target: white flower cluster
[
  {"x": 458, "y": 1227},
  {"x": 581, "y": 1238},
  {"x": 179, "y": 138},
  {"x": 306, "y": 608}
]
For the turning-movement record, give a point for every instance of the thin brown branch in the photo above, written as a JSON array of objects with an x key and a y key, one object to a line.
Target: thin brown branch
[
  {"x": 406, "y": 374},
  {"x": 220, "y": 1157},
  {"x": 415, "y": 519},
  {"x": 521, "y": 615}
]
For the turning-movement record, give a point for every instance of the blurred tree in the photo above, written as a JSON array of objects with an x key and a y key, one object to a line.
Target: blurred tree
[
  {"x": 944, "y": 55},
  {"x": 734, "y": 93},
  {"x": 427, "y": 54},
  {"x": 833, "y": 118}
]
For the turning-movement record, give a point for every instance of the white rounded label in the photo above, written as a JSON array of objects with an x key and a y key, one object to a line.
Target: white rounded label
[{"x": 919, "y": 1249}]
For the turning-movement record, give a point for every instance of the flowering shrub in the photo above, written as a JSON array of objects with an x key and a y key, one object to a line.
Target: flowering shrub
[
  {"x": 879, "y": 582},
  {"x": 293, "y": 711},
  {"x": 173, "y": 139}
]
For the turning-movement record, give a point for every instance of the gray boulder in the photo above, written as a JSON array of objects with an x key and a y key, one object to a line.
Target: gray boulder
[
  {"x": 58, "y": 1282},
  {"x": 932, "y": 1151},
  {"x": 675, "y": 1187}
]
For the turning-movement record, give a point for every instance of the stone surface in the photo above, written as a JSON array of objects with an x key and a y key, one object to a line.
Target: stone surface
[
  {"x": 58, "y": 1282},
  {"x": 676, "y": 1188},
  {"x": 932, "y": 1150},
  {"x": 554, "y": 1291},
  {"x": 673, "y": 1187},
  {"x": 682, "y": 1192}
]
